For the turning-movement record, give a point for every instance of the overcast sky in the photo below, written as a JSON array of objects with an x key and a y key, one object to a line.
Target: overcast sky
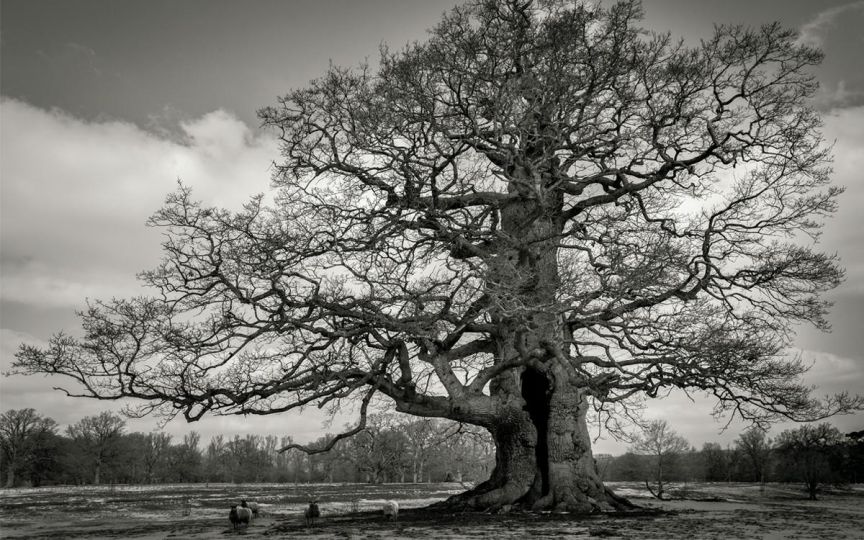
[{"x": 106, "y": 103}]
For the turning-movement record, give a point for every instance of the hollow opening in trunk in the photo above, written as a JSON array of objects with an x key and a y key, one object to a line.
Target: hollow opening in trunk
[{"x": 535, "y": 392}]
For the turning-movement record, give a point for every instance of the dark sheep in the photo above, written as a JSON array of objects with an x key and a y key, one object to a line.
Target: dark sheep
[
  {"x": 239, "y": 516},
  {"x": 311, "y": 513}
]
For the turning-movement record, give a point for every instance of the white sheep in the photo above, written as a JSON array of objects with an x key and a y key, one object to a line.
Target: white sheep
[
  {"x": 253, "y": 506},
  {"x": 390, "y": 509}
]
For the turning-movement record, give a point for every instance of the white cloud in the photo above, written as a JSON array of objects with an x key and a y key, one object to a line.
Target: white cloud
[
  {"x": 76, "y": 196},
  {"x": 219, "y": 134}
]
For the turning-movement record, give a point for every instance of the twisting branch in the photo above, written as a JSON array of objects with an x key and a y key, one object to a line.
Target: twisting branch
[{"x": 361, "y": 425}]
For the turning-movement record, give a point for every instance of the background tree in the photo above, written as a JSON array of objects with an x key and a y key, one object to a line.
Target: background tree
[
  {"x": 99, "y": 440},
  {"x": 423, "y": 437},
  {"x": 147, "y": 456},
  {"x": 286, "y": 462},
  {"x": 25, "y": 439},
  {"x": 46, "y": 457},
  {"x": 379, "y": 451},
  {"x": 755, "y": 448},
  {"x": 186, "y": 459},
  {"x": 855, "y": 444},
  {"x": 216, "y": 459},
  {"x": 541, "y": 209},
  {"x": 665, "y": 446},
  {"x": 628, "y": 467},
  {"x": 466, "y": 455},
  {"x": 812, "y": 454},
  {"x": 687, "y": 467},
  {"x": 715, "y": 463},
  {"x": 245, "y": 458},
  {"x": 133, "y": 451}
]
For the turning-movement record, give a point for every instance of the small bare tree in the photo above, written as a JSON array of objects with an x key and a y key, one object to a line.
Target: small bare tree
[{"x": 661, "y": 442}]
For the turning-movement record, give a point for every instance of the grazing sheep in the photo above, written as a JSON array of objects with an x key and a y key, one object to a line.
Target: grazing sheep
[
  {"x": 239, "y": 516},
  {"x": 311, "y": 513},
  {"x": 391, "y": 509},
  {"x": 253, "y": 506}
]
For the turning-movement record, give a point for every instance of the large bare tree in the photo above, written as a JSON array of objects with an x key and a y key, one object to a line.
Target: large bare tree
[{"x": 540, "y": 209}]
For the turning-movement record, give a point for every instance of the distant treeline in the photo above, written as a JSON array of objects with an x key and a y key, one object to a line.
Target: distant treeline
[
  {"x": 811, "y": 454},
  {"x": 393, "y": 448},
  {"x": 98, "y": 450}
]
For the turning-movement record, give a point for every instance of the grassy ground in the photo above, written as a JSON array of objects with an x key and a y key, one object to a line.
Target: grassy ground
[{"x": 702, "y": 511}]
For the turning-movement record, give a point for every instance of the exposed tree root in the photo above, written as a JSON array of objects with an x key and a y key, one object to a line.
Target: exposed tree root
[
  {"x": 486, "y": 497},
  {"x": 658, "y": 495}
]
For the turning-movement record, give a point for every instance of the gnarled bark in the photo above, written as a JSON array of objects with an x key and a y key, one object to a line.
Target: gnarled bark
[{"x": 543, "y": 458}]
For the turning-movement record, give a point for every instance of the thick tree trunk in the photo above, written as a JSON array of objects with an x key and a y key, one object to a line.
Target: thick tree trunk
[
  {"x": 543, "y": 456},
  {"x": 543, "y": 450},
  {"x": 573, "y": 480}
]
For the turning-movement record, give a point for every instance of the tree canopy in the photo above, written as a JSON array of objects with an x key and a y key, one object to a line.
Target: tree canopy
[{"x": 541, "y": 208}]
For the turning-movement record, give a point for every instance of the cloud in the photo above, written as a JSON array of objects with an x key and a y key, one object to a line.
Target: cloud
[
  {"x": 814, "y": 31},
  {"x": 837, "y": 31},
  {"x": 76, "y": 195}
]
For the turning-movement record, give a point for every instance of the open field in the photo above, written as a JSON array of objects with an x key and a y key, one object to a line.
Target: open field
[{"x": 705, "y": 511}]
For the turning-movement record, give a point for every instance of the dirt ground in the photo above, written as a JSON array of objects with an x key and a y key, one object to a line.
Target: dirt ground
[{"x": 701, "y": 511}]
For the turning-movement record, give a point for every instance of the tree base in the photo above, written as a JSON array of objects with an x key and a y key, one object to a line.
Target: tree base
[{"x": 488, "y": 498}]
